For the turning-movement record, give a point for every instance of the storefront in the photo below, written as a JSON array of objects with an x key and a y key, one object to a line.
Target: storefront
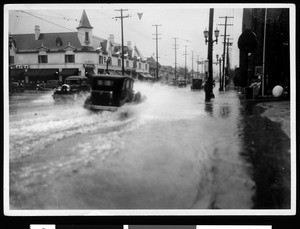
[{"x": 38, "y": 75}]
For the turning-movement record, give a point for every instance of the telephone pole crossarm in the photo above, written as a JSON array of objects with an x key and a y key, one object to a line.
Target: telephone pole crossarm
[{"x": 122, "y": 34}]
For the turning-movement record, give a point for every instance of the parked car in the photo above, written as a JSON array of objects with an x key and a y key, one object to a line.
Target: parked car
[
  {"x": 108, "y": 92},
  {"x": 73, "y": 88},
  {"x": 17, "y": 87},
  {"x": 48, "y": 85},
  {"x": 196, "y": 84}
]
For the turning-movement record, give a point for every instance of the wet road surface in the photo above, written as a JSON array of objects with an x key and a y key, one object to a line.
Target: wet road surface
[{"x": 173, "y": 151}]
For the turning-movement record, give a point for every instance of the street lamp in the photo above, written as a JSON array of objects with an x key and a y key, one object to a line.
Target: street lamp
[{"x": 206, "y": 34}]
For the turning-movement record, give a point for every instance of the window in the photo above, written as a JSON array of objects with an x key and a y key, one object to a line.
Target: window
[
  {"x": 101, "y": 60},
  {"x": 58, "y": 41},
  {"x": 146, "y": 66},
  {"x": 69, "y": 58},
  {"x": 87, "y": 39},
  {"x": 119, "y": 62},
  {"x": 140, "y": 66},
  {"x": 105, "y": 82},
  {"x": 42, "y": 59},
  {"x": 127, "y": 64}
]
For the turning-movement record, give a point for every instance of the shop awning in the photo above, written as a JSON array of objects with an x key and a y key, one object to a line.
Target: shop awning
[
  {"x": 120, "y": 73},
  {"x": 150, "y": 76},
  {"x": 145, "y": 76},
  {"x": 89, "y": 66},
  {"x": 16, "y": 74},
  {"x": 69, "y": 72},
  {"x": 43, "y": 74}
]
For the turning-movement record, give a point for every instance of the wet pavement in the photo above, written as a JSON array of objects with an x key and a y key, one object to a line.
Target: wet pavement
[
  {"x": 174, "y": 151},
  {"x": 267, "y": 140}
]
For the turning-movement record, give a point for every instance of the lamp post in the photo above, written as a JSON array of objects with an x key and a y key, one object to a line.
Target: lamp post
[{"x": 209, "y": 40}]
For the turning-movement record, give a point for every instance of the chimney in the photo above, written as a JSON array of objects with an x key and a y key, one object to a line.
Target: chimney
[
  {"x": 112, "y": 38},
  {"x": 129, "y": 44},
  {"x": 37, "y": 32}
]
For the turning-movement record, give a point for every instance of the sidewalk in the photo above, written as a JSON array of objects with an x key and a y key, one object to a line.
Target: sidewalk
[{"x": 279, "y": 112}]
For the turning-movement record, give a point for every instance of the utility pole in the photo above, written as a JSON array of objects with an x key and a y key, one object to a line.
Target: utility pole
[
  {"x": 192, "y": 64},
  {"x": 156, "y": 38},
  {"x": 227, "y": 57},
  {"x": 121, "y": 10},
  {"x": 224, "y": 49},
  {"x": 197, "y": 66},
  {"x": 208, "y": 91},
  {"x": 185, "y": 54},
  {"x": 175, "y": 38}
]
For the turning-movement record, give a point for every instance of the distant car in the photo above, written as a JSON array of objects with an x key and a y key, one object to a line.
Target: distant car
[
  {"x": 17, "y": 87},
  {"x": 182, "y": 83},
  {"x": 196, "y": 84},
  {"x": 73, "y": 88},
  {"x": 108, "y": 92}
]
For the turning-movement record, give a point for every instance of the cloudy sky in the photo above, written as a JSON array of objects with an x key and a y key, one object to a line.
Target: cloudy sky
[{"x": 185, "y": 21}]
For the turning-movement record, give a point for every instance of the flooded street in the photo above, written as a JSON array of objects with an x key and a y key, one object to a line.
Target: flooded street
[{"x": 172, "y": 151}]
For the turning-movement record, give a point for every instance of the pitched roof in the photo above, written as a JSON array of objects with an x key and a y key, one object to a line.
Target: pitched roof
[
  {"x": 52, "y": 41},
  {"x": 84, "y": 21}
]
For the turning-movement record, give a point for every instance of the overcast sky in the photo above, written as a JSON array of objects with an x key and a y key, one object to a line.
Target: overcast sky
[{"x": 185, "y": 21}]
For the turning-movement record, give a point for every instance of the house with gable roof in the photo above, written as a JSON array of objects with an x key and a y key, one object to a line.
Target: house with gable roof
[{"x": 55, "y": 56}]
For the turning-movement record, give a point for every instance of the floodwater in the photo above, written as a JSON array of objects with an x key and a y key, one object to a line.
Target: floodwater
[{"x": 172, "y": 151}]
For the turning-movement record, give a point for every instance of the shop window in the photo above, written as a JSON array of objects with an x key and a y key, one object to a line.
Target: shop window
[
  {"x": 42, "y": 59},
  {"x": 69, "y": 58}
]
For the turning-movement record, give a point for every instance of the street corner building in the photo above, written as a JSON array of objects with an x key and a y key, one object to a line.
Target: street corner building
[{"x": 42, "y": 57}]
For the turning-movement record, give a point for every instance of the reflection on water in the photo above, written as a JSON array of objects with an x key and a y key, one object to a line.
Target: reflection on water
[
  {"x": 209, "y": 108},
  {"x": 225, "y": 111}
]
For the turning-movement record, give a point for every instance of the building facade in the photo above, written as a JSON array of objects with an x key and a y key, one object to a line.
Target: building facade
[
  {"x": 271, "y": 28},
  {"x": 54, "y": 56}
]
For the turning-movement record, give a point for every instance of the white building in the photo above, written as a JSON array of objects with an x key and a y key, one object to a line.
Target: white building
[{"x": 49, "y": 56}]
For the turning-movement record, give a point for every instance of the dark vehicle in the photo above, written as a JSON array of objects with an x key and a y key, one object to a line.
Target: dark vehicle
[
  {"x": 108, "y": 92},
  {"x": 73, "y": 88},
  {"x": 196, "y": 84},
  {"x": 17, "y": 87},
  {"x": 182, "y": 83}
]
